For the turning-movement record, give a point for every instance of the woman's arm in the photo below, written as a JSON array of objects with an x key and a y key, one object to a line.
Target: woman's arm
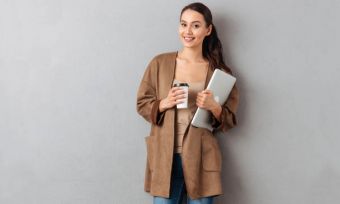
[
  {"x": 216, "y": 110},
  {"x": 147, "y": 101},
  {"x": 227, "y": 118},
  {"x": 224, "y": 116}
]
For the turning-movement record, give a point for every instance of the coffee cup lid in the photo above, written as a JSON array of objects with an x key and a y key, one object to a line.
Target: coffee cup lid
[{"x": 181, "y": 84}]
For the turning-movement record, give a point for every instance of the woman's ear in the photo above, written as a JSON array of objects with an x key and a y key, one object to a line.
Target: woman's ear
[{"x": 209, "y": 30}]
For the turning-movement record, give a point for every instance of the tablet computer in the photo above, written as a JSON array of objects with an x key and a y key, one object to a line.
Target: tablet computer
[{"x": 221, "y": 84}]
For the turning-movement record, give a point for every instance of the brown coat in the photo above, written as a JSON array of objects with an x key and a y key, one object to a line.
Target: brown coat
[{"x": 201, "y": 155}]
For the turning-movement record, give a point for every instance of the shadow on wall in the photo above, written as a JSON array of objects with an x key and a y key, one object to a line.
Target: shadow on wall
[{"x": 233, "y": 188}]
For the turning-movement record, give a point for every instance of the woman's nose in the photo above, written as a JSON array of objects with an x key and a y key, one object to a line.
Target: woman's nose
[{"x": 188, "y": 30}]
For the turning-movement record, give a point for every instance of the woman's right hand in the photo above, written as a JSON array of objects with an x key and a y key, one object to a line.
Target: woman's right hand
[{"x": 175, "y": 96}]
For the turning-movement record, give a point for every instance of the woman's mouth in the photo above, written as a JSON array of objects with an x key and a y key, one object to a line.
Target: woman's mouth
[{"x": 189, "y": 39}]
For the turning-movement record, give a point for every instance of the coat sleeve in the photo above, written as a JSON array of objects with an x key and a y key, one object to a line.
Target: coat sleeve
[
  {"x": 228, "y": 115},
  {"x": 147, "y": 100}
]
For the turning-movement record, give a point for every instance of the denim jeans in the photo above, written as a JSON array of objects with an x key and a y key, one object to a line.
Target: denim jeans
[{"x": 177, "y": 189}]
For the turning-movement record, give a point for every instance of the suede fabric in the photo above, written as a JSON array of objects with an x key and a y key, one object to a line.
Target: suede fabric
[{"x": 201, "y": 155}]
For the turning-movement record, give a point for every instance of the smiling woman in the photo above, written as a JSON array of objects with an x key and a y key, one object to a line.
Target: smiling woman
[
  {"x": 193, "y": 28},
  {"x": 181, "y": 159}
]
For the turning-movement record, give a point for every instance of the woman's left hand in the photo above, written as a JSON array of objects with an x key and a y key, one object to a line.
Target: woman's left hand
[{"x": 205, "y": 99}]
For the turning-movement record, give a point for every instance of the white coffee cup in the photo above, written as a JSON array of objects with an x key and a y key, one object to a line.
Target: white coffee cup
[{"x": 185, "y": 87}]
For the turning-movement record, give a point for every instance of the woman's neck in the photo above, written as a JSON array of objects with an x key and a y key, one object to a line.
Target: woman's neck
[{"x": 192, "y": 54}]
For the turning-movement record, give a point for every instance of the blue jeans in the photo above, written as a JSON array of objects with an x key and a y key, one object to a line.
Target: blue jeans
[{"x": 177, "y": 189}]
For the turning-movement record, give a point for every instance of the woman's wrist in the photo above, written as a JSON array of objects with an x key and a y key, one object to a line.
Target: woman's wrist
[
  {"x": 161, "y": 107},
  {"x": 216, "y": 110}
]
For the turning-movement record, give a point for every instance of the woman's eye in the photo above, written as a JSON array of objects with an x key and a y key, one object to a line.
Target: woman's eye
[
  {"x": 183, "y": 24},
  {"x": 196, "y": 26}
]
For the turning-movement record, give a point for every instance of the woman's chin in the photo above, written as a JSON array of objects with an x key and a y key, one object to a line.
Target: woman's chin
[{"x": 189, "y": 45}]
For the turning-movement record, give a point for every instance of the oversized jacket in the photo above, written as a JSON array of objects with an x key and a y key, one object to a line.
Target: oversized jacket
[{"x": 201, "y": 155}]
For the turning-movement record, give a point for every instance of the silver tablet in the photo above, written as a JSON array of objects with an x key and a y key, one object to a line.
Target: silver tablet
[{"x": 221, "y": 85}]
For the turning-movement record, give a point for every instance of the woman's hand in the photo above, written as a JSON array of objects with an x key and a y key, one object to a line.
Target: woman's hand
[
  {"x": 205, "y": 99},
  {"x": 175, "y": 96}
]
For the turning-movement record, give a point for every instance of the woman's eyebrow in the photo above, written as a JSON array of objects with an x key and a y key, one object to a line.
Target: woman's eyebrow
[{"x": 183, "y": 21}]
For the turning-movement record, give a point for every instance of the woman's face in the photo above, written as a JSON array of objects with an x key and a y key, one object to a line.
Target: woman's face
[{"x": 193, "y": 29}]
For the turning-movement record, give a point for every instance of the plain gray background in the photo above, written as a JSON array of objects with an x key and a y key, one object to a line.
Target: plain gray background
[{"x": 69, "y": 73}]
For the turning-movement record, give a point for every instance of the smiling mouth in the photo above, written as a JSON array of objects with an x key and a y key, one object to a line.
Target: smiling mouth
[{"x": 189, "y": 39}]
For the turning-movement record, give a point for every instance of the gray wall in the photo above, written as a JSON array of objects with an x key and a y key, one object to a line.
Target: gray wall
[{"x": 69, "y": 72}]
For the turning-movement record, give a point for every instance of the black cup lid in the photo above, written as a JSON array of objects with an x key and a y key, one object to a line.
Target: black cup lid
[{"x": 181, "y": 84}]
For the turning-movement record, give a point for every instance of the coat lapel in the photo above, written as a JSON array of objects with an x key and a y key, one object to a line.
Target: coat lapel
[{"x": 168, "y": 74}]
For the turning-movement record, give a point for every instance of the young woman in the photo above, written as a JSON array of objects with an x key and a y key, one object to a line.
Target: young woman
[{"x": 182, "y": 159}]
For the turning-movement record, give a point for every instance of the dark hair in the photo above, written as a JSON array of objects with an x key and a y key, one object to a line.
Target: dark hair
[{"x": 212, "y": 47}]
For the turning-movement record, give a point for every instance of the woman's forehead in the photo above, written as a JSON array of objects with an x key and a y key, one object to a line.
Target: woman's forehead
[{"x": 191, "y": 16}]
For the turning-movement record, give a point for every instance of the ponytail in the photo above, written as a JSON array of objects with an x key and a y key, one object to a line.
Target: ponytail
[{"x": 213, "y": 51}]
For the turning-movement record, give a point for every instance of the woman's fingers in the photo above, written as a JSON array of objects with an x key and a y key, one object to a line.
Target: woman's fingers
[
  {"x": 176, "y": 96},
  {"x": 199, "y": 102},
  {"x": 179, "y": 92},
  {"x": 176, "y": 90},
  {"x": 179, "y": 101},
  {"x": 203, "y": 97},
  {"x": 181, "y": 96}
]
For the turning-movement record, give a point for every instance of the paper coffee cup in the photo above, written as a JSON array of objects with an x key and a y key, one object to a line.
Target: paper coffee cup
[{"x": 185, "y": 87}]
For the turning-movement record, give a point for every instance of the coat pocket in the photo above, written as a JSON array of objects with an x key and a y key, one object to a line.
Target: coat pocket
[
  {"x": 150, "y": 148},
  {"x": 211, "y": 154}
]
